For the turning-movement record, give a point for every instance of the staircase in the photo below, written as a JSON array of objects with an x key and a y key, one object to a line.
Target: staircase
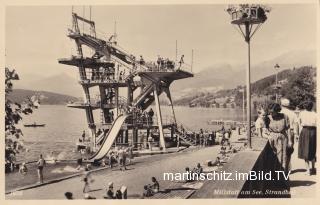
[
  {"x": 185, "y": 136},
  {"x": 145, "y": 93}
]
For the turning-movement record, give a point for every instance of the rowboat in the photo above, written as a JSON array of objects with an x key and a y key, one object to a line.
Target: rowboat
[{"x": 34, "y": 125}]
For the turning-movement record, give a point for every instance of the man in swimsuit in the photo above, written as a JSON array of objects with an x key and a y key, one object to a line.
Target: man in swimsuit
[{"x": 41, "y": 163}]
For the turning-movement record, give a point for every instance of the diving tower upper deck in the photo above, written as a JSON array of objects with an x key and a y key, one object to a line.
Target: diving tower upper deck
[
  {"x": 86, "y": 62},
  {"x": 167, "y": 75}
]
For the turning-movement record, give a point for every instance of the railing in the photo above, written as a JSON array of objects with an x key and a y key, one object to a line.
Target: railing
[
  {"x": 165, "y": 67},
  {"x": 145, "y": 119},
  {"x": 96, "y": 102}
]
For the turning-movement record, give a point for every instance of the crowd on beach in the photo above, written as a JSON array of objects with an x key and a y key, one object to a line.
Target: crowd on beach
[{"x": 283, "y": 125}]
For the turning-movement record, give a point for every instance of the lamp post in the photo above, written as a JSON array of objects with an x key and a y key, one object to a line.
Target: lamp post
[
  {"x": 277, "y": 87},
  {"x": 246, "y": 17}
]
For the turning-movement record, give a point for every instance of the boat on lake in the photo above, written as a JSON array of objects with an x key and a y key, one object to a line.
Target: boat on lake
[{"x": 34, "y": 125}]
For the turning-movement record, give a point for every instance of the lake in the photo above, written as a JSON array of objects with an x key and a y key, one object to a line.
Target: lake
[{"x": 64, "y": 126}]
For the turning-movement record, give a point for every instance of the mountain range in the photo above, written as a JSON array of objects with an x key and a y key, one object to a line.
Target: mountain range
[
  {"x": 46, "y": 98},
  {"x": 226, "y": 76},
  {"x": 213, "y": 78},
  {"x": 61, "y": 83}
]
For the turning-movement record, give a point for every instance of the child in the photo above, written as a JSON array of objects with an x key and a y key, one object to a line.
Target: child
[{"x": 260, "y": 124}]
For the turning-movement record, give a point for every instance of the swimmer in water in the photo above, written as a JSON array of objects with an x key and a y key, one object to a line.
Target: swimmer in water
[
  {"x": 54, "y": 160},
  {"x": 23, "y": 169}
]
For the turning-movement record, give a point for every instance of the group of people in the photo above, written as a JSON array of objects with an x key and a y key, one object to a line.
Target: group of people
[
  {"x": 162, "y": 64},
  {"x": 105, "y": 75},
  {"x": 88, "y": 180},
  {"x": 205, "y": 138},
  {"x": 194, "y": 173},
  {"x": 40, "y": 164},
  {"x": 102, "y": 74},
  {"x": 284, "y": 125},
  {"x": 140, "y": 116},
  {"x": 119, "y": 156},
  {"x": 121, "y": 193}
]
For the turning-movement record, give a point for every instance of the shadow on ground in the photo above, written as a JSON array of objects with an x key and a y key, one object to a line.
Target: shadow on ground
[
  {"x": 298, "y": 170},
  {"x": 297, "y": 183}
]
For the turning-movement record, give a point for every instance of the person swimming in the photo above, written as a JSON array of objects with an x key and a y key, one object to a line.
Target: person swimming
[{"x": 23, "y": 169}]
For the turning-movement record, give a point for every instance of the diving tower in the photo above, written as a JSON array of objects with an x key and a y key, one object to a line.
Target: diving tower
[{"x": 111, "y": 68}]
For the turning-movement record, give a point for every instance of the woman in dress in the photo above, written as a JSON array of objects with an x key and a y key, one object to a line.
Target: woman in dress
[
  {"x": 278, "y": 124},
  {"x": 308, "y": 137}
]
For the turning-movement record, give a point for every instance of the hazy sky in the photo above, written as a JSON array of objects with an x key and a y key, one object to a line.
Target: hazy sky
[{"x": 36, "y": 36}]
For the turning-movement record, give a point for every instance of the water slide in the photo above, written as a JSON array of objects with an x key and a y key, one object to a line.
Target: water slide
[{"x": 109, "y": 139}]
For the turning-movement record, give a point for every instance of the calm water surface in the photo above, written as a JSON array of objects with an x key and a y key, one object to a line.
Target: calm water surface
[{"x": 64, "y": 127}]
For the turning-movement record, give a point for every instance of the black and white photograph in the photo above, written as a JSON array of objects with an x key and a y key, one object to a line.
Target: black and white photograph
[{"x": 153, "y": 100}]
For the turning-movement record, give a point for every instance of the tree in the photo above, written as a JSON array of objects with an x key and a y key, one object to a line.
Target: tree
[
  {"x": 13, "y": 115},
  {"x": 301, "y": 86}
]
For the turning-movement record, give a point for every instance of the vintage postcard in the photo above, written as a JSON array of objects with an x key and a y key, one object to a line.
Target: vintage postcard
[{"x": 160, "y": 100}]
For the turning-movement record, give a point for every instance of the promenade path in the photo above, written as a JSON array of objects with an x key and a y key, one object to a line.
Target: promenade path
[
  {"x": 301, "y": 185},
  {"x": 139, "y": 174},
  {"x": 143, "y": 168}
]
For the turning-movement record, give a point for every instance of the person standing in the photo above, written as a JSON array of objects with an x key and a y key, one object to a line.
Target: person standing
[
  {"x": 278, "y": 125},
  {"x": 141, "y": 61},
  {"x": 178, "y": 140},
  {"x": 83, "y": 136},
  {"x": 151, "y": 114},
  {"x": 122, "y": 159},
  {"x": 86, "y": 179},
  {"x": 111, "y": 157},
  {"x": 308, "y": 137},
  {"x": 200, "y": 137},
  {"x": 41, "y": 163},
  {"x": 286, "y": 109},
  {"x": 130, "y": 153},
  {"x": 213, "y": 137},
  {"x": 150, "y": 139},
  {"x": 181, "y": 61}
]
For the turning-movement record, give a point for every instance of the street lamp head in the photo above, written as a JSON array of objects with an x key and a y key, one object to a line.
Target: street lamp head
[
  {"x": 248, "y": 13},
  {"x": 277, "y": 66}
]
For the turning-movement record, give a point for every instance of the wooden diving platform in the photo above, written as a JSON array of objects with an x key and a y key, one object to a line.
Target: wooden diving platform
[
  {"x": 86, "y": 62},
  {"x": 166, "y": 75}
]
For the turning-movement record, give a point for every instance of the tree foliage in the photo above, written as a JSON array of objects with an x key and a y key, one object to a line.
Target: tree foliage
[
  {"x": 301, "y": 86},
  {"x": 14, "y": 112}
]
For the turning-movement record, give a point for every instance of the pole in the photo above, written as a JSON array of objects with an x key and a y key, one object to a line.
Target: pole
[
  {"x": 243, "y": 107},
  {"x": 83, "y": 15},
  {"x": 115, "y": 31},
  {"x": 191, "y": 60},
  {"x": 176, "y": 50},
  {"x": 248, "y": 88},
  {"x": 162, "y": 142},
  {"x": 276, "y": 86}
]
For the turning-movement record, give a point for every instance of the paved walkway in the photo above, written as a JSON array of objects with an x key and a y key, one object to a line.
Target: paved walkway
[
  {"x": 301, "y": 185},
  {"x": 144, "y": 168},
  {"x": 135, "y": 178}
]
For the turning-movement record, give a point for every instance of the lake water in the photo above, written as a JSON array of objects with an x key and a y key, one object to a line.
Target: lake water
[{"x": 64, "y": 126}]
